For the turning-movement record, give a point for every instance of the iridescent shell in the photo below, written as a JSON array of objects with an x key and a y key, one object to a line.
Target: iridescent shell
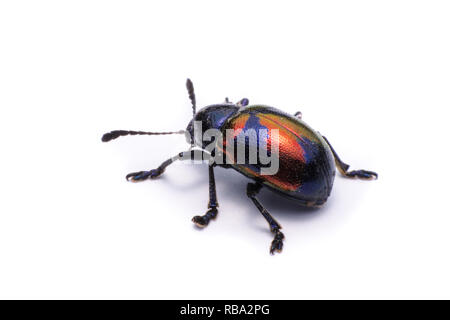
[{"x": 306, "y": 164}]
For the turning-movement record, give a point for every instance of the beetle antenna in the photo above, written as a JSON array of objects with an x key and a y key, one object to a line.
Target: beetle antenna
[
  {"x": 119, "y": 133},
  {"x": 190, "y": 88}
]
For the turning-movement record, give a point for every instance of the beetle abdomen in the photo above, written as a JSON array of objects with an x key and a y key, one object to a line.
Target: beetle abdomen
[{"x": 306, "y": 165}]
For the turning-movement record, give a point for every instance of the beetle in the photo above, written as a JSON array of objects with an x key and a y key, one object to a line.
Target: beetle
[{"x": 306, "y": 159}]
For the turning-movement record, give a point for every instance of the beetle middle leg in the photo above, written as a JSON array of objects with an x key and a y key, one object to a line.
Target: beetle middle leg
[
  {"x": 154, "y": 173},
  {"x": 343, "y": 167},
  {"x": 277, "y": 243},
  {"x": 203, "y": 221}
]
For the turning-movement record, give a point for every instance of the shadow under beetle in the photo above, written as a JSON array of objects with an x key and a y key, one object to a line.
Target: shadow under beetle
[{"x": 307, "y": 160}]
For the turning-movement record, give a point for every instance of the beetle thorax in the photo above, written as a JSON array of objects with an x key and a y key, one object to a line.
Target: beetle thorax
[{"x": 210, "y": 117}]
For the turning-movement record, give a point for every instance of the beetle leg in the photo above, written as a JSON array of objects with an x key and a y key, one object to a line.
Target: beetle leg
[
  {"x": 277, "y": 243},
  {"x": 203, "y": 221},
  {"x": 154, "y": 173},
  {"x": 343, "y": 167}
]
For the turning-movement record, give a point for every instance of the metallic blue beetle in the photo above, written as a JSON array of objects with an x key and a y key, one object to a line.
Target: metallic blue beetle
[{"x": 306, "y": 160}]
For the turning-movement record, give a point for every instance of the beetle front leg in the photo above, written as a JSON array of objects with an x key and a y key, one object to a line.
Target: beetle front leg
[
  {"x": 203, "y": 221},
  {"x": 154, "y": 173},
  {"x": 343, "y": 167},
  {"x": 277, "y": 243}
]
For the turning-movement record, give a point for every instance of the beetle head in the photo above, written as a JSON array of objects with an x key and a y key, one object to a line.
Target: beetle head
[{"x": 210, "y": 117}]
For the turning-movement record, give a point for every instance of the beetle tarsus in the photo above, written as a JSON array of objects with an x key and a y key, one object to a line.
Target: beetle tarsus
[
  {"x": 200, "y": 221},
  {"x": 277, "y": 243},
  {"x": 362, "y": 174},
  {"x": 203, "y": 221},
  {"x": 154, "y": 173},
  {"x": 143, "y": 175}
]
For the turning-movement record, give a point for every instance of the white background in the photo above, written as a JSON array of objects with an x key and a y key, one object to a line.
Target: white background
[{"x": 373, "y": 76}]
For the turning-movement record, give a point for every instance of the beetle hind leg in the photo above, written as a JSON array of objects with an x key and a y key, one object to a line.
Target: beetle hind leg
[
  {"x": 277, "y": 243},
  {"x": 343, "y": 167}
]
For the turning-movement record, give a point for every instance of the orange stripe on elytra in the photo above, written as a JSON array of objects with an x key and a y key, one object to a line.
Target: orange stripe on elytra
[
  {"x": 287, "y": 141},
  {"x": 290, "y": 125},
  {"x": 288, "y": 146},
  {"x": 237, "y": 125},
  {"x": 239, "y": 122}
]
